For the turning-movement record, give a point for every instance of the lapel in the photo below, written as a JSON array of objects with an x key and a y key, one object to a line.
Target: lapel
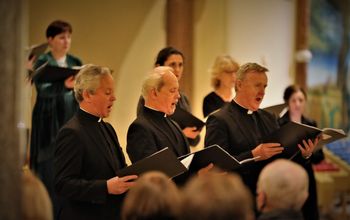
[
  {"x": 116, "y": 144},
  {"x": 235, "y": 115},
  {"x": 94, "y": 132},
  {"x": 184, "y": 139},
  {"x": 151, "y": 116}
]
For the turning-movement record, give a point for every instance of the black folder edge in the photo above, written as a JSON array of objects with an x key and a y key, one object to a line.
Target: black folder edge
[
  {"x": 277, "y": 110},
  {"x": 185, "y": 119},
  {"x": 37, "y": 50},
  {"x": 290, "y": 142},
  {"x": 216, "y": 155},
  {"x": 47, "y": 73},
  {"x": 164, "y": 161}
]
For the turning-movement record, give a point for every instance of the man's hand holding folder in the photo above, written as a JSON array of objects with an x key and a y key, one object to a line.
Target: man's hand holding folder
[{"x": 293, "y": 135}]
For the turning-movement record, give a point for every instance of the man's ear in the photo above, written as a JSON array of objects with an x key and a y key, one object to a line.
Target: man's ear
[
  {"x": 238, "y": 84},
  {"x": 87, "y": 96},
  {"x": 153, "y": 93}
]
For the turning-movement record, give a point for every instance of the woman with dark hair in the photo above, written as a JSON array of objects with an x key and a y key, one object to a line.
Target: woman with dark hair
[
  {"x": 295, "y": 98},
  {"x": 173, "y": 58},
  {"x": 55, "y": 103}
]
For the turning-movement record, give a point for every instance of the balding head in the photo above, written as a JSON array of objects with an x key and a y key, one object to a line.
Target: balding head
[
  {"x": 282, "y": 184},
  {"x": 160, "y": 90}
]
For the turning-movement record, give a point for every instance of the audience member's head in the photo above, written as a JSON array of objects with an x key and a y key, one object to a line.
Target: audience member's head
[
  {"x": 282, "y": 185},
  {"x": 215, "y": 196},
  {"x": 36, "y": 203},
  {"x": 172, "y": 57},
  {"x": 224, "y": 72},
  {"x": 160, "y": 90},
  {"x": 94, "y": 90},
  {"x": 154, "y": 196}
]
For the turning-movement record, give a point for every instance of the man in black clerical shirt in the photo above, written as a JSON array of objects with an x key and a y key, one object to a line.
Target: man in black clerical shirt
[
  {"x": 153, "y": 130},
  {"x": 240, "y": 126},
  {"x": 88, "y": 154}
]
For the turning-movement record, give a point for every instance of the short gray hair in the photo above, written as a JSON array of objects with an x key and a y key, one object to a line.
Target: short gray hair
[
  {"x": 285, "y": 184},
  {"x": 154, "y": 80},
  {"x": 250, "y": 67},
  {"x": 88, "y": 79},
  {"x": 247, "y": 68}
]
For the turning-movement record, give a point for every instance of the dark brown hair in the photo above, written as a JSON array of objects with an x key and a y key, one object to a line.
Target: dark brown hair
[
  {"x": 290, "y": 90},
  {"x": 57, "y": 27}
]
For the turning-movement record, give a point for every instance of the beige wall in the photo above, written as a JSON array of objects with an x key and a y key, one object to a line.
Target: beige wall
[{"x": 126, "y": 36}]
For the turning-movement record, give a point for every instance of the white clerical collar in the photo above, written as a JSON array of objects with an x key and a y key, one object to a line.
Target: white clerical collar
[
  {"x": 99, "y": 119},
  {"x": 155, "y": 110},
  {"x": 249, "y": 112}
]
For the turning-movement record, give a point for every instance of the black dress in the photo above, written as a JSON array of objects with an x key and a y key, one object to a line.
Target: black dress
[
  {"x": 54, "y": 106},
  {"x": 211, "y": 103},
  {"x": 310, "y": 208}
]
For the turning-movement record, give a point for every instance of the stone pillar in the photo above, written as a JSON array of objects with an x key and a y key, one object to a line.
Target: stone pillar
[
  {"x": 179, "y": 32},
  {"x": 301, "y": 39},
  {"x": 11, "y": 72}
]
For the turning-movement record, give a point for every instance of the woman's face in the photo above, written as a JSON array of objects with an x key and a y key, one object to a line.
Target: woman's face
[
  {"x": 296, "y": 103},
  {"x": 176, "y": 62},
  {"x": 60, "y": 43},
  {"x": 227, "y": 79}
]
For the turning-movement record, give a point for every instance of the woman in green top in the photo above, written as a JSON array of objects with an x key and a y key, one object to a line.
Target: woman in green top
[{"x": 55, "y": 103}]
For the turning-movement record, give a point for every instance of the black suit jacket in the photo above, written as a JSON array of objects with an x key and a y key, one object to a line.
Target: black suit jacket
[
  {"x": 183, "y": 103},
  {"x": 83, "y": 162},
  {"x": 151, "y": 132},
  {"x": 234, "y": 130}
]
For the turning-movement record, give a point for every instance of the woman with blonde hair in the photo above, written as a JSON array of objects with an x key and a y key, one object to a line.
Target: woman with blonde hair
[{"x": 223, "y": 80}]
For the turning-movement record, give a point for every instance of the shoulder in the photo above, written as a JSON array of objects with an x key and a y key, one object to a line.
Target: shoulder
[
  {"x": 309, "y": 121},
  {"x": 140, "y": 123},
  {"x": 43, "y": 58},
  {"x": 184, "y": 102},
  {"x": 210, "y": 95},
  {"x": 73, "y": 60},
  {"x": 267, "y": 115},
  {"x": 221, "y": 114},
  {"x": 284, "y": 119}
]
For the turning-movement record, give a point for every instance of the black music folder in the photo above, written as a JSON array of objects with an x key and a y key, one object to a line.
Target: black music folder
[
  {"x": 164, "y": 161},
  {"x": 37, "y": 50},
  {"x": 185, "y": 119},
  {"x": 292, "y": 134},
  {"x": 47, "y": 73},
  {"x": 276, "y": 110},
  {"x": 212, "y": 154}
]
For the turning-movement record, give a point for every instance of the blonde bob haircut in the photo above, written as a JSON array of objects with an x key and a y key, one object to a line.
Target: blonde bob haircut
[{"x": 223, "y": 64}]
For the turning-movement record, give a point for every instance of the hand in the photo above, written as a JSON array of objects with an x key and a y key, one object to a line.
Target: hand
[
  {"x": 69, "y": 82},
  {"x": 191, "y": 132},
  {"x": 118, "y": 185},
  {"x": 267, "y": 150},
  {"x": 208, "y": 169},
  {"x": 30, "y": 63},
  {"x": 308, "y": 148}
]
